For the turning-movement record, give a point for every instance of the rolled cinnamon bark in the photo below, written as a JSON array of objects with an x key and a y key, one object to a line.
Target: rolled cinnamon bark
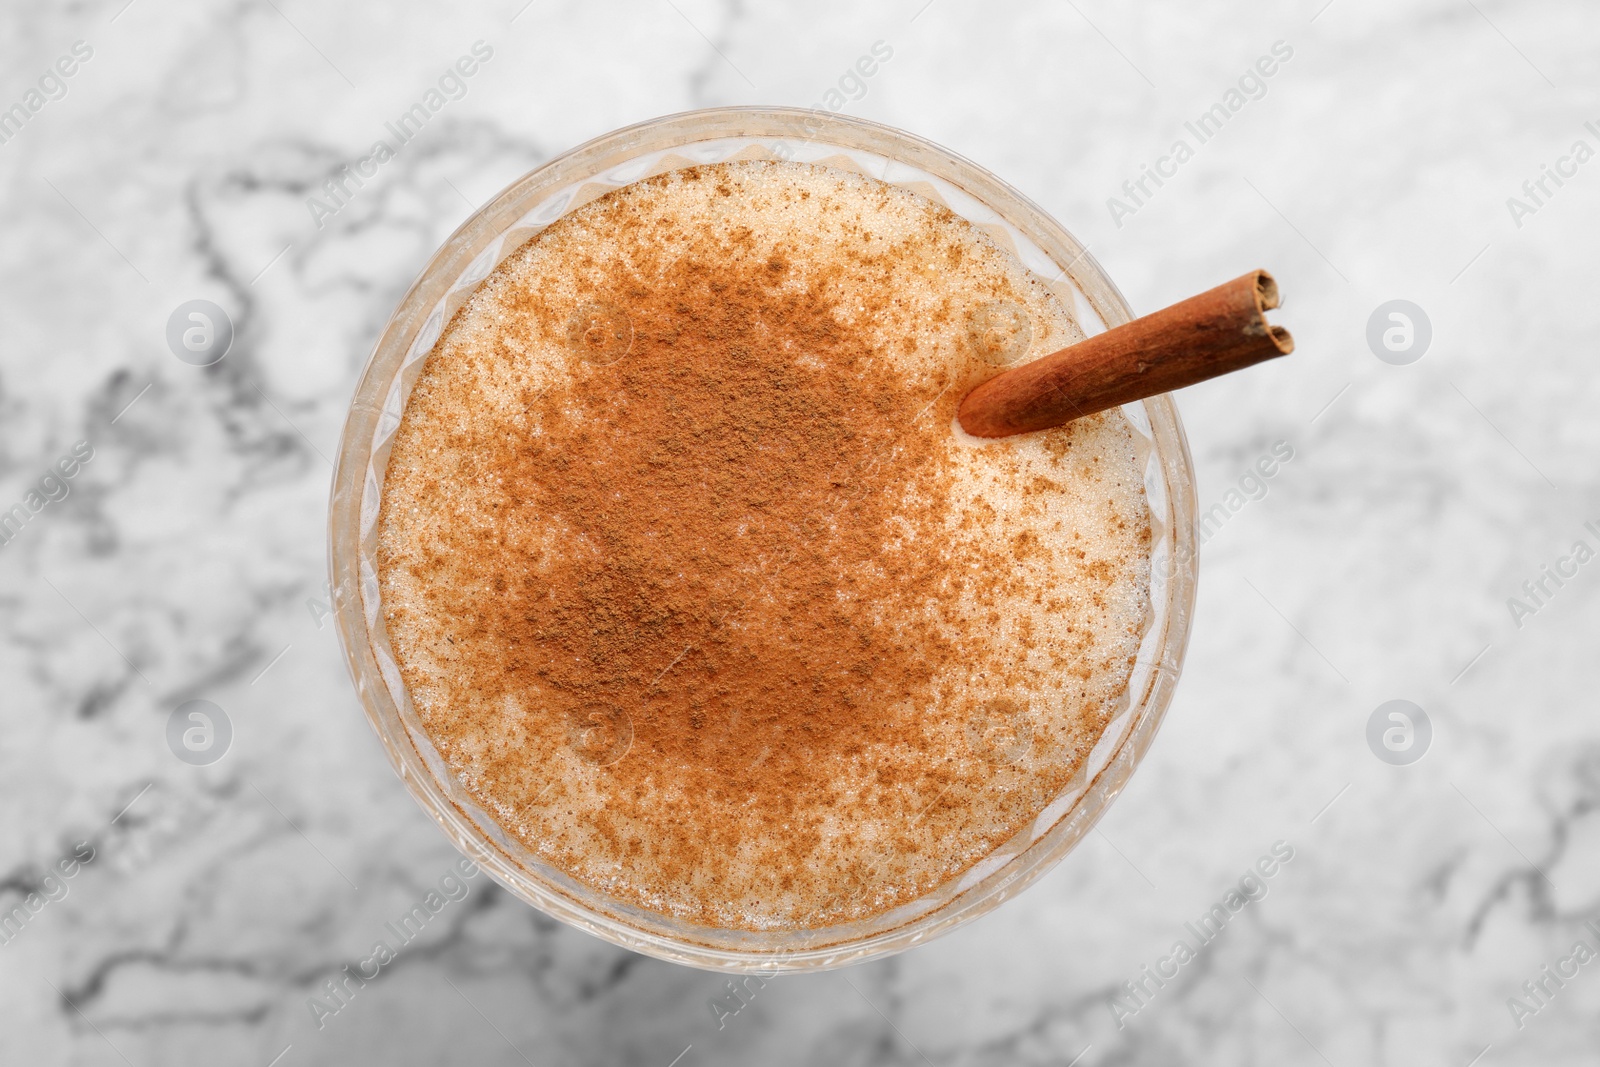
[{"x": 1217, "y": 332}]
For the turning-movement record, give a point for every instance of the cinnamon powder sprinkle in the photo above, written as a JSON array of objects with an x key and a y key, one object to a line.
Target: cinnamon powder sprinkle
[{"x": 694, "y": 584}]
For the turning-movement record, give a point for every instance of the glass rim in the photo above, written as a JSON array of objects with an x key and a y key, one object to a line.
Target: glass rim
[{"x": 503, "y": 224}]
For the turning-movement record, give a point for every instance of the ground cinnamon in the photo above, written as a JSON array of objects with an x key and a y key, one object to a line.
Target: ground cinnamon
[{"x": 721, "y": 574}]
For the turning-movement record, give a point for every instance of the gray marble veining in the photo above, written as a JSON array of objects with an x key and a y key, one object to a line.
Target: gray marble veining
[{"x": 1395, "y": 152}]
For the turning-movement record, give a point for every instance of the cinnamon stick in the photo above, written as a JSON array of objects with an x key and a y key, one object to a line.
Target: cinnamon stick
[{"x": 1217, "y": 332}]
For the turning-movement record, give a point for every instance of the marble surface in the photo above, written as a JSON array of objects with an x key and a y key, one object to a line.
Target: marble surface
[{"x": 187, "y": 559}]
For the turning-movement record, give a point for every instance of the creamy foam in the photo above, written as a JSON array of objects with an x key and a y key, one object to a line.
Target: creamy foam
[{"x": 697, "y": 588}]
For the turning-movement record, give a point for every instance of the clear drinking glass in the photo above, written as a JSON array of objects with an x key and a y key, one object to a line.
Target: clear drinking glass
[{"x": 520, "y": 212}]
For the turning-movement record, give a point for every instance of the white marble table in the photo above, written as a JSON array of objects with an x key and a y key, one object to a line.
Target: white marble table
[{"x": 186, "y": 560}]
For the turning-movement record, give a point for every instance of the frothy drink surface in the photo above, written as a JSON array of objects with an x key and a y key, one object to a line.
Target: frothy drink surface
[{"x": 696, "y": 586}]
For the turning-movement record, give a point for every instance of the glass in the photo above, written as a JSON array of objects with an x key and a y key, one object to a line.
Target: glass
[{"x": 520, "y": 212}]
